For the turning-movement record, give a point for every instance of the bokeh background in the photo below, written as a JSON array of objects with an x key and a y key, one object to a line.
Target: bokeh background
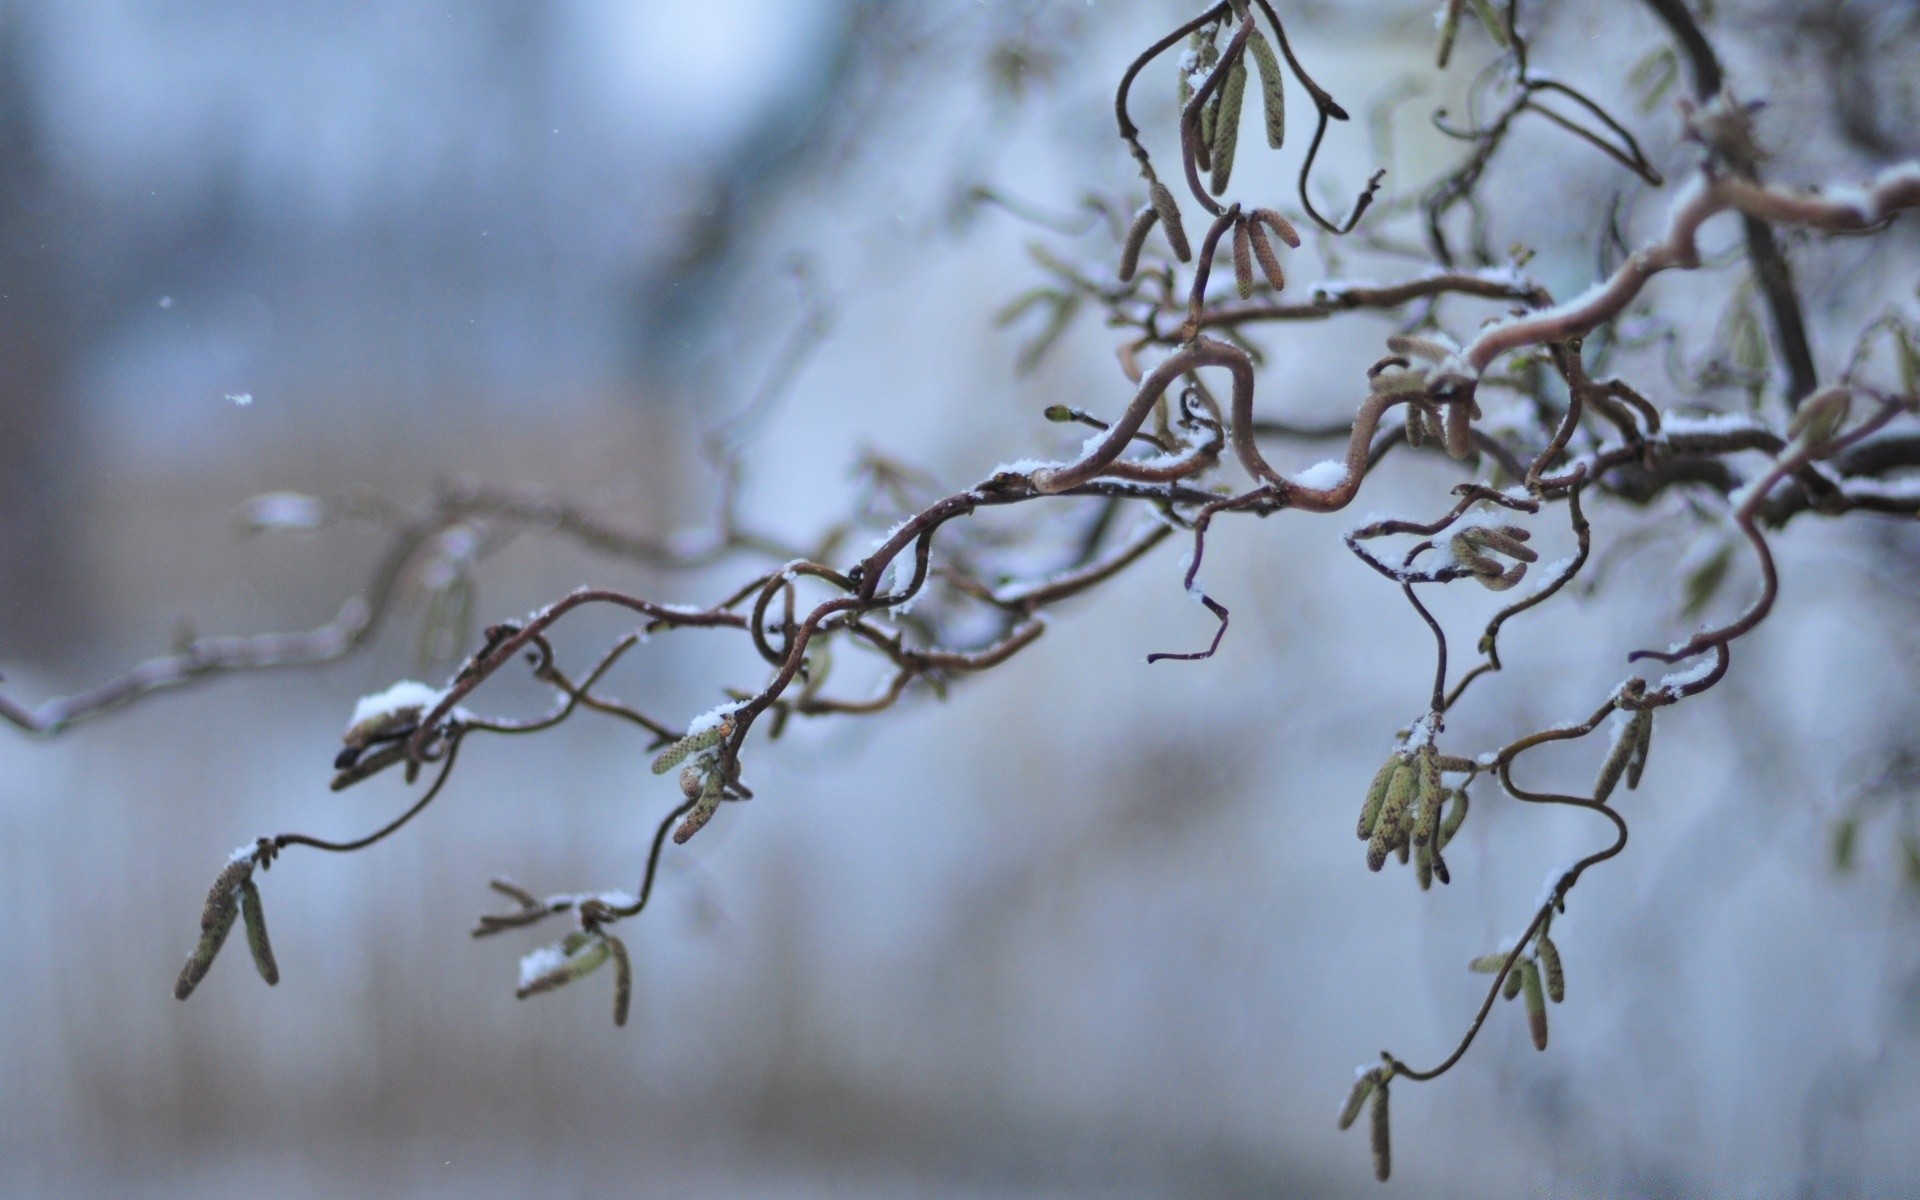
[{"x": 1088, "y": 927}]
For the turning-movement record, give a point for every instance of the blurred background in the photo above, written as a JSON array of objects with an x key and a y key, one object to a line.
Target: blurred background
[{"x": 1088, "y": 927}]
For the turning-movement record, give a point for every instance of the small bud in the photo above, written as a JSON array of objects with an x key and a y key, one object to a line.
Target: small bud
[
  {"x": 1820, "y": 416},
  {"x": 1550, "y": 967},
  {"x": 1057, "y": 413},
  {"x": 692, "y": 782},
  {"x": 1536, "y": 1002}
]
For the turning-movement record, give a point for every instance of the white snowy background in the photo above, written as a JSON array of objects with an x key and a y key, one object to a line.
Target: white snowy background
[{"x": 1088, "y": 928}]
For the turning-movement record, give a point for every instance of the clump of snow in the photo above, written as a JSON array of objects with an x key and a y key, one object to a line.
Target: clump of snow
[
  {"x": 541, "y": 962},
  {"x": 710, "y": 720},
  {"x": 1321, "y": 476},
  {"x": 283, "y": 510},
  {"x": 408, "y": 693},
  {"x": 1690, "y": 676}
]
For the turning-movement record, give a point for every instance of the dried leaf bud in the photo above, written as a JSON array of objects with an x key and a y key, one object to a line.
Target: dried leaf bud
[
  {"x": 704, "y": 739},
  {"x": 1264, "y": 255},
  {"x": 1556, "y": 977},
  {"x": 1136, "y": 241},
  {"x": 1820, "y": 416},
  {"x": 1536, "y": 1002},
  {"x": 1169, "y": 211},
  {"x": 1377, "y": 796},
  {"x": 1386, "y": 828},
  {"x": 1226, "y": 123},
  {"x": 1640, "y": 732},
  {"x": 1382, "y": 1143},
  {"x": 622, "y": 979},
  {"x": 1273, "y": 95},
  {"x": 1242, "y": 259},
  {"x": 256, "y": 919},
  {"x": 1362, "y": 1088},
  {"x": 692, "y": 782}
]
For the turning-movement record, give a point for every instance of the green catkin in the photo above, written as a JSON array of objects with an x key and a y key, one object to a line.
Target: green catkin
[
  {"x": 1382, "y": 1143},
  {"x": 1536, "y": 1002},
  {"x": 1242, "y": 259},
  {"x": 1264, "y": 255},
  {"x": 622, "y": 979},
  {"x": 1641, "y": 734},
  {"x": 1225, "y": 135},
  {"x": 1386, "y": 829},
  {"x": 1136, "y": 241},
  {"x": 1456, "y": 816},
  {"x": 1555, "y": 974},
  {"x": 1430, "y": 796},
  {"x": 1616, "y": 763},
  {"x": 706, "y": 739},
  {"x": 1273, "y": 94},
  {"x": 1376, "y": 796},
  {"x": 575, "y": 966},
  {"x": 256, "y": 921},
  {"x": 1362, "y": 1088},
  {"x": 1169, "y": 211}
]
